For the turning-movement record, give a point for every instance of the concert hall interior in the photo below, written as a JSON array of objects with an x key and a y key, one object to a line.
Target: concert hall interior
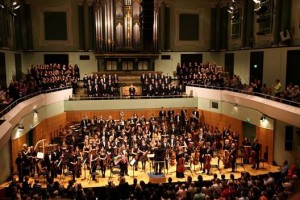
[{"x": 149, "y": 99}]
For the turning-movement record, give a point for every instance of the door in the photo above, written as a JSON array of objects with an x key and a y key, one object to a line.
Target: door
[
  {"x": 229, "y": 63},
  {"x": 249, "y": 131},
  {"x": 292, "y": 67},
  {"x": 2, "y": 70},
  {"x": 256, "y": 65},
  {"x": 18, "y": 65}
]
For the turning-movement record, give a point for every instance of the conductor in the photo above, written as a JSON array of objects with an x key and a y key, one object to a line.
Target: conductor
[{"x": 159, "y": 155}]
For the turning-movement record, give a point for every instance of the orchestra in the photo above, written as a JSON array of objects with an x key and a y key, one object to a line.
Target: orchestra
[{"x": 104, "y": 143}]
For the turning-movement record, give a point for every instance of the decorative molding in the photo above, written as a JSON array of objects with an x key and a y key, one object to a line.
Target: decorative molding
[
  {"x": 80, "y": 2},
  {"x": 201, "y": 41},
  {"x": 90, "y": 2},
  {"x": 41, "y": 36}
]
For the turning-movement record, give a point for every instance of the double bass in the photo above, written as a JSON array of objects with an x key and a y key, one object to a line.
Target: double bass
[{"x": 207, "y": 161}]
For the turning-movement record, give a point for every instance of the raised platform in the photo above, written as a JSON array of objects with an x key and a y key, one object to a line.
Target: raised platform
[{"x": 154, "y": 178}]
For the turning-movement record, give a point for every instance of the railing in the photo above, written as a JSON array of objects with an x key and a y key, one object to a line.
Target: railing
[
  {"x": 128, "y": 97},
  {"x": 262, "y": 95},
  {"x": 10, "y": 106}
]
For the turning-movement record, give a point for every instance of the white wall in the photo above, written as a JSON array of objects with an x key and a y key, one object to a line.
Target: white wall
[
  {"x": 274, "y": 64},
  {"x": 280, "y": 153}
]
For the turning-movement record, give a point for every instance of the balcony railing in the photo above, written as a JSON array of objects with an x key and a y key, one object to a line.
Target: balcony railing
[
  {"x": 262, "y": 95},
  {"x": 6, "y": 108}
]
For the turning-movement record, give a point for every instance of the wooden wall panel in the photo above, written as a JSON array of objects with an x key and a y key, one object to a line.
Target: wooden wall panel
[
  {"x": 266, "y": 139},
  {"x": 44, "y": 130},
  {"x": 16, "y": 148},
  {"x": 76, "y": 116}
]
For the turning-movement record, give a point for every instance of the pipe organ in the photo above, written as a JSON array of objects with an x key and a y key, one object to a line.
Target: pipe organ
[{"x": 124, "y": 25}]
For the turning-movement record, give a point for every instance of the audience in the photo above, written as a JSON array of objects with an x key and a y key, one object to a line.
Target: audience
[{"x": 244, "y": 188}]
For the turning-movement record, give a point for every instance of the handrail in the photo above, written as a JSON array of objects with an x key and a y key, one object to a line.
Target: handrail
[
  {"x": 128, "y": 97},
  {"x": 10, "y": 106},
  {"x": 262, "y": 95}
]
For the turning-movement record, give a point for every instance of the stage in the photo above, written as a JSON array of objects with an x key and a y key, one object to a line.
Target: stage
[{"x": 140, "y": 174}]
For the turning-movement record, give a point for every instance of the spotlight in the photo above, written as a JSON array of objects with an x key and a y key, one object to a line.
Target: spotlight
[
  {"x": 1, "y": 6},
  {"x": 263, "y": 118},
  {"x": 235, "y": 105},
  {"x": 35, "y": 111},
  {"x": 21, "y": 126}
]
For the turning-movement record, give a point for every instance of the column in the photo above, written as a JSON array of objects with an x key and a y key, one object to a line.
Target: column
[
  {"x": 161, "y": 26},
  {"x": 91, "y": 26},
  {"x": 81, "y": 43},
  {"x": 277, "y": 24},
  {"x": 247, "y": 32},
  {"x": 213, "y": 26}
]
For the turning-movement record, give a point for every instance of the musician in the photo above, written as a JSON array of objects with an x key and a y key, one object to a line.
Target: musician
[
  {"x": 79, "y": 157},
  {"x": 171, "y": 114},
  {"x": 173, "y": 130},
  {"x": 232, "y": 156},
  {"x": 135, "y": 154},
  {"x": 202, "y": 151},
  {"x": 73, "y": 164},
  {"x": 196, "y": 113},
  {"x": 31, "y": 155},
  {"x": 20, "y": 162},
  {"x": 256, "y": 148},
  {"x": 172, "y": 141},
  {"x": 93, "y": 163},
  {"x": 50, "y": 159},
  {"x": 180, "y": 165},
  {"x": 227, "y": 145},
  {"x": 159, "y": 156},
  {"x": 124, "y": 161},
  {"x": 103, "y": 160},
  {"x": 131, "y": 91},
  {"x": 207, "y": 157},
  {"x": 162, "y": 114},
  {"x": 143, "y": 150}
]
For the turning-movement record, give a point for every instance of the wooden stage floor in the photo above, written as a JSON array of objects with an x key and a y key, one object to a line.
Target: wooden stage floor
[{"x": 144, "y": 175}]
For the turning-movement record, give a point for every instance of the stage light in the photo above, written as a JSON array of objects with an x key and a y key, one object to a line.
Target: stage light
[{"x": 263, "y": 118}]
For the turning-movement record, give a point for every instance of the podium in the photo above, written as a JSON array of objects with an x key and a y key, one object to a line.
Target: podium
[{"x": 157, "y": 178}]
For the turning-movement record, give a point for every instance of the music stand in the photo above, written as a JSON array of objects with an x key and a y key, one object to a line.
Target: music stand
[
  {"x": 85, "y": 168},
  {"x": 132, "y": 162}
]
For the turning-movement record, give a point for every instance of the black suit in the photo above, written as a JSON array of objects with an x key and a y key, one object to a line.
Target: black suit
[
  {"x": 256, "y": 148},
  {"x": 159, "y": 155}
]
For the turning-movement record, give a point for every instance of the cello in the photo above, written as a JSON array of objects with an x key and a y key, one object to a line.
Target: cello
[
  {"x": 207, "y": 162},
  {"x": 180, "y": 166}
]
